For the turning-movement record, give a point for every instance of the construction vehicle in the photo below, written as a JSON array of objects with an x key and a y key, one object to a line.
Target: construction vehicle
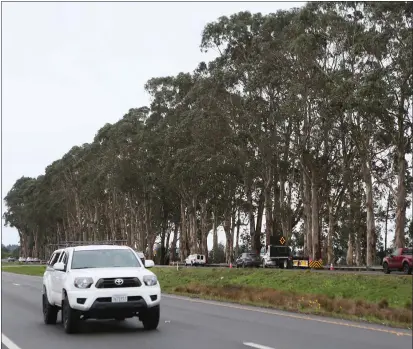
[{"x": 278, "y": 254}]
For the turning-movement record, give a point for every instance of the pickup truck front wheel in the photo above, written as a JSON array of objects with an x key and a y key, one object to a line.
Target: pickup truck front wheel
[
  {"x": 150, "y": 318},
  {"x": 70, "y": 317},
  {"x": 386, "y": 269},
  {"x": 49, "y": 311},
  {"x": 406, "y": 268}
]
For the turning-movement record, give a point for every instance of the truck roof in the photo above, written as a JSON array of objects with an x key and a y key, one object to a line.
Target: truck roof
[{"x": 100, "y": 247}]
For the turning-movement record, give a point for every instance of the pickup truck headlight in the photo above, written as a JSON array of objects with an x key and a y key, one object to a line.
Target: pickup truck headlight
[
  {"x": 150, "y": 280},
  {"x": 83, "y": 282}
]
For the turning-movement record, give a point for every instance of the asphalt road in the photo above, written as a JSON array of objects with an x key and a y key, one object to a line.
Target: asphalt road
[{"x": 186, "y": 324}]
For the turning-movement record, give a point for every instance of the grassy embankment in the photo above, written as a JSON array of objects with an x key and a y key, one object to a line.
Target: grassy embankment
[{"x": 384, "y": 299}]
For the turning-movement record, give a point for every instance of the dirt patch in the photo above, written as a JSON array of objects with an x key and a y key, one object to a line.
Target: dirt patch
[{"x": 315, "y": 304}]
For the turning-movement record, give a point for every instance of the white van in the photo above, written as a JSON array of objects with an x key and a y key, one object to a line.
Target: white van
[{"x": 195, "y": 259}]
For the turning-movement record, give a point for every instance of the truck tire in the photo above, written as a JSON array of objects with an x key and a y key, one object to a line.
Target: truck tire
[
  {"x": 406, "y": 269},
  {"x": 280, "y": 265},
  {"x": 70, "y": 317},
  {"x": 150, "y": 318},
  {"x": 49, "y": 311},
  {"x": 386, "y": 269}
]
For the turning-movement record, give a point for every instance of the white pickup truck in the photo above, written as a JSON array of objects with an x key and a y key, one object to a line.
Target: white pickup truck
[{"x": 99, "y": 282}]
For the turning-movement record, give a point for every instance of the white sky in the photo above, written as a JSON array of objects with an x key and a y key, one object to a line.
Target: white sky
[{"x": 69, "y": 68}]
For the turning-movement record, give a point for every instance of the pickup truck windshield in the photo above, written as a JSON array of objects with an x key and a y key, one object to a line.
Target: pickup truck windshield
[
  {"x": 105, "y": 258},
  {"x": 408, "y": 251}
]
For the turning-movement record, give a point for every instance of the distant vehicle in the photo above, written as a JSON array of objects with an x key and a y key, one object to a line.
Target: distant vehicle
[
  {"x": 11, "y": 259},
  {"x": 195, "y": 259},
  {"x": 248, "y": 259},
  {"x": 277, "y": 254},
  {"x": 22, "y": 259},
  {"x": 99, "y": 282},
  {"x": 399, "y": 260}
]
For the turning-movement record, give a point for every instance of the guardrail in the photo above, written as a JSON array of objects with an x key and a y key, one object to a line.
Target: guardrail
[
  {"x": 345, "y": 268},
  {"x": 225, "y": 265}
]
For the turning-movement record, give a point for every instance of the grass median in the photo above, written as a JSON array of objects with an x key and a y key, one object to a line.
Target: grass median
[{"x": 383, "y": 299}]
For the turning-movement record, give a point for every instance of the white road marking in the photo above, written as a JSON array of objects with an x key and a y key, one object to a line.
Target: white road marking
[
  {"x": 257, "y": 346},
  {"x": 16, "y": 284},
  {"x": 8, "y": 342}
]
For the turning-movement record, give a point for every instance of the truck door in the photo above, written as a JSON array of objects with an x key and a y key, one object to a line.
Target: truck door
[{"x": 394, "y": 259}]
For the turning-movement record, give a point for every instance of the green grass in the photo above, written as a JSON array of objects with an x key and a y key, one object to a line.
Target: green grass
[
  {"x": 36, "y": 270},
  {"x": 380, "y": 299},
  {"x": 397, "y": 290}
]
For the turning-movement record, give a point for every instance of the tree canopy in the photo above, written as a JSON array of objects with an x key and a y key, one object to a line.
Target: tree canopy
[{"x": 302, "y": 126}]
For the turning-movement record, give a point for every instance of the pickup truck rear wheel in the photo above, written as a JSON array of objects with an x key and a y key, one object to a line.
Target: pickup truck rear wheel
[
  {"x": 406, "y": 269},
  {"x": 150, "y": 318},
  {"x": 386, "y": 269},
  {"x": 49, "y": 311}
]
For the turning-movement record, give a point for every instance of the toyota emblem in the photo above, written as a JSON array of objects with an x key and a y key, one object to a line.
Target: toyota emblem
[{"x": 118, "y": 282}]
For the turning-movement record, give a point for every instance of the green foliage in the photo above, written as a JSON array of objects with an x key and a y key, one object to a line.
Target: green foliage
[{"x": 303, "y": 108}]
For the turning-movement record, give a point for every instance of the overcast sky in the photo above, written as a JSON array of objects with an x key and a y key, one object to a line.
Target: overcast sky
[{"x": 69, "y": 68}]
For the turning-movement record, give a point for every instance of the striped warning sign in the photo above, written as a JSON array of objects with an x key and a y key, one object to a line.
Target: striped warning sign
[
  {"x": 316, "y": 264},
  {"x": 300, "y": 263}
]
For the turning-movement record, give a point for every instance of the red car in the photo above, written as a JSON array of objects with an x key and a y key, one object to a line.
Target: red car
[{"x": 399, "y": 260}]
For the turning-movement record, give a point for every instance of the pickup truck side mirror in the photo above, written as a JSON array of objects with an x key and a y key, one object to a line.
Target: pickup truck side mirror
[
  {"x": 149, "y": 263},
  {"x": 59, "y": 266}
]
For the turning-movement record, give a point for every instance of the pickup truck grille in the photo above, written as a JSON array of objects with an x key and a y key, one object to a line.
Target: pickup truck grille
[{"x": 110, "y": 282}]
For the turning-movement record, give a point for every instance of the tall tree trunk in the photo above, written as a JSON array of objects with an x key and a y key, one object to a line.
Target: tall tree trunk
[
  {"x": 308, "y": 251},
  {"x": 238, "y": 232},
  {"x": 371, "y": 229},
  {"x": 268, "y": 209},
  {"x": 386, "y": 222},
  {"x": 204, "y": 229},
  {"x": 193, "y": 243},
  {"x": 401, "y": 192},
  {"x": 260, "y": 212},
  {"x": 227, "y": 229},
  {"x": 184, "y": 233},
  {"x": 251, "y": 218},
  {"x": 174, "y": 241},
  {"x": 214, "y": 235},
  {"x": 231, "y": 246},
  {"x": 314, "y": 216},
  {"x": 330, "y": 254}
]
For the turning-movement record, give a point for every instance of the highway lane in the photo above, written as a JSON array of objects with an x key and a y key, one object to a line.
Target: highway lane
[{"x": 188, "y": 324}]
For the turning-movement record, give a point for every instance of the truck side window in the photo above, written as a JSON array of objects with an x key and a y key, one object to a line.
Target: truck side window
[
  {"x": 64, "y": 259},
  {"x": 407, "y": 251},
  {"x": 54, "y": 259},
  {"x": 49, "y": 262}
]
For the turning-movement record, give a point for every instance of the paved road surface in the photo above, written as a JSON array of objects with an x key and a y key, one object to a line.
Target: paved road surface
[{"x": 187, "y": 324}]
